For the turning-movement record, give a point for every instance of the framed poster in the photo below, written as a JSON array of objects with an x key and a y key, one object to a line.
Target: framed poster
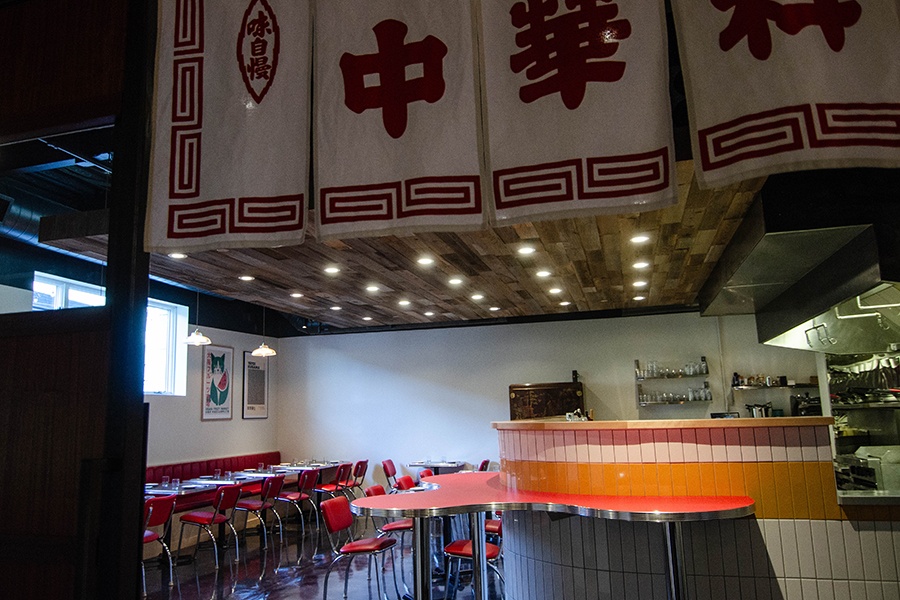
[
  {"x": 218, "y": 366},
  {"x": 538, "y": 400},
  {"x": 256, "y": 387}
]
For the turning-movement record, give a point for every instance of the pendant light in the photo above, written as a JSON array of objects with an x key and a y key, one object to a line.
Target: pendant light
[
  {"x": 197, "y": 338},
  {"x": 264, "y": 350}
]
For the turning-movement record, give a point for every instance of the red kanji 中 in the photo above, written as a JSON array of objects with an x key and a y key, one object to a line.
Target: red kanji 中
[
  {"x": 394, "y": 92},
  {"x": 751, "y": 18},
  {"x": 562, "y": 53}
]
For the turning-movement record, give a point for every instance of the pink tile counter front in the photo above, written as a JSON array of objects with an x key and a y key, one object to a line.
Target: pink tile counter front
[{"x": 799, "y": 544}]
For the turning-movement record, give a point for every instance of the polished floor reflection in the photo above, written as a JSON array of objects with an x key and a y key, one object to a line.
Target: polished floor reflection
[{"x": 287, "y": 571}]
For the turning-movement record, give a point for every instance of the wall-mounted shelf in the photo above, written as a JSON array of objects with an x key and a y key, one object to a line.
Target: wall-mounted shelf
[{"x": 655, "y": 386}]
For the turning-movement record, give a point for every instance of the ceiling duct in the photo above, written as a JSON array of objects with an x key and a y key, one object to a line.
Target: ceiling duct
[{"x": 817, "y": 260}]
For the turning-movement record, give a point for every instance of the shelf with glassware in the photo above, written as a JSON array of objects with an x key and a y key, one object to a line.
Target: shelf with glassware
[{"x": 656, "y": 385}]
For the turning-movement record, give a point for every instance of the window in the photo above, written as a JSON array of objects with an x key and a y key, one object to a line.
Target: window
[{"x": 165, "y": 359}]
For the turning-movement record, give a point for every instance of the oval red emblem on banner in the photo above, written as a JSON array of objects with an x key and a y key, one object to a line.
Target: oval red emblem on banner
[{"x": 257, "y": 48}]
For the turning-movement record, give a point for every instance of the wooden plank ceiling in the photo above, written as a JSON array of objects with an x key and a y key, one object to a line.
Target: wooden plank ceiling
[{"x": 589, "y": 259}]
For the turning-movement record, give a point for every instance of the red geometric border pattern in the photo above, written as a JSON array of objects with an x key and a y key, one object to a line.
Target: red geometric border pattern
[
  {"x": 441, "y": 196},
  {"x": 187, "y": 100},
  {"x": 857, "y": 124},
  {"x": 236, "y": 215},
  {"x": 188, "y": 27},
  {"x": 793, "y": 128},
  {"x": 423, "y": 196},
  {"x": 582, "y": 179}
]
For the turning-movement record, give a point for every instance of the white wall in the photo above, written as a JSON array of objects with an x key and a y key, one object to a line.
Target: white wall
[
  {"x": 176, "y": 432},
  {"x": 433, "y": 393},
  {"x": 13, "y": 299}
]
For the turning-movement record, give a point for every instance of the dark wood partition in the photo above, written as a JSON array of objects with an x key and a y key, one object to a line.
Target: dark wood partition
[{"x": 53, "y": 406}]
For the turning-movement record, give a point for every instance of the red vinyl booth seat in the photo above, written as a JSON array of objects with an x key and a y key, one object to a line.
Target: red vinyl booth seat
[{"x": 196, "y": 468}]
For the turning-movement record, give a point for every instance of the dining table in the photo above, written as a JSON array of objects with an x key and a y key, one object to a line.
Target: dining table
[
  {"x": 437, "y": 466},
  {"x": 474, "y": 493}
]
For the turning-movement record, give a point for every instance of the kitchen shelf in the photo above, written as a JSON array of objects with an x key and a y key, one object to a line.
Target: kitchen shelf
[{"x": 662, "y": 390}]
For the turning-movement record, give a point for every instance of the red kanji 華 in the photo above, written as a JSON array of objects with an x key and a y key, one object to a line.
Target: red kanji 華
[
  {"x": 562, "y": 53},
  {"x": 751, "y": 18},
  {"x": 394, "y": 91}
]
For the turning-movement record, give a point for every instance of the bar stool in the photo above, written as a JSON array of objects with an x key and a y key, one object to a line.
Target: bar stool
[
  {"x": 227, "y": 497},
  {"x": 158, "y": 513}
]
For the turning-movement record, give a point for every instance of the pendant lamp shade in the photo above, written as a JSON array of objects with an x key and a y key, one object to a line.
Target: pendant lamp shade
[
  {"x": 197, "y": 339},
  {"x": 264, "y": 350}
]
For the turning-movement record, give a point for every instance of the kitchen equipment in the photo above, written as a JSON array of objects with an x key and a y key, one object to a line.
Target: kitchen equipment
[{"x": 759, "y": 410}]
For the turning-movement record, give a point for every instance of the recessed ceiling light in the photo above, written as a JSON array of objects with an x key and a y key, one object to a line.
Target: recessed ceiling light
[
  {"x": 639, "y": 298},
  {"x": 296, "y": 295},
  {"x": 555, "y": 291},
  {"x": 335, "y": 308},
  {"x": 429, "y": 314},
  {"x": 425, "y": 260},
  {"x": 372, "y": 288},
  {"x": 565, "y": 303},
  {"x": 332, "y": 270},
  {"x": 495, "y": 308},
  {"x": 526, "y": 250},
  {"x": 246, "y": 277},
  {"x": 641, "y": 265},
  {"x": 403, "y": 303},
  {"x": 367, "y": 318},
  {"x": 177, "y": 255},
  {"x": 455, "y": 281},
  {"x": 543, "y": 273},
  {"x": 639, "y": 284},
  {"x": 477, "y": 296},
  {"x": 640, "y": 239}
]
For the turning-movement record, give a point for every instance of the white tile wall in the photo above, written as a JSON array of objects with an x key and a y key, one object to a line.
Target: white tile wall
[{"x": 576, "y": 557}]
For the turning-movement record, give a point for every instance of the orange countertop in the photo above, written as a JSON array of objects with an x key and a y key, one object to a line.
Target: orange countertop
[
  {"x": 560, "y": 423},
  {"x": 459, "y": 493}
]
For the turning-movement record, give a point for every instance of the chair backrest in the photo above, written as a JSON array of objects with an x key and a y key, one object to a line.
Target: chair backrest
[
  {"x": 337, "y": 515},
  {"x": 484, "y": 465},
  {"x": 226, "y": 497},
  {"x": 374, "y": 490},
  {"x": 405, "y": 482},
  {"x": 426, "y": 473},
  {"x": 158, "y": 511},
  {"x": 271, "y": 487},
  {"x": 390, "y": 471},
  {"x": 307, "y": 481},
  {"x": 359, "y": 471},
  {"x": 342, "y": 474}
]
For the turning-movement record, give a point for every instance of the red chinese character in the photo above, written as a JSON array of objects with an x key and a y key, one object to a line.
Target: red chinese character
[
  {"x": 751, "y": 18},
  {"x": 394, "y": 92},
  {"x": 259, "y": 26},
  {"x": 258, "y": 47},
  {"x": 562, "y": 53},
  {"x": 258, "y": 68}
]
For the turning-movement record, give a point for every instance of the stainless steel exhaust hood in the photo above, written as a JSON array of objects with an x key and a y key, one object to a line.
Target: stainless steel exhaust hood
[{"x": 817, "y": 260}]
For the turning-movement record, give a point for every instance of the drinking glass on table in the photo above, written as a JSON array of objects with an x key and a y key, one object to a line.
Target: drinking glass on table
[
  {"x": 176, "y": 482},
  {"x": 227, "y": 474},
  {"x": 260, "y": 467},
  {"x": 164, "y": 481},
  {"x": 217, "y": 474}
]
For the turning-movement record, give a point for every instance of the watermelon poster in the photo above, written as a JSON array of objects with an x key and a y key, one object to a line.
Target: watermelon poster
[{"x": 218, "y": 365}]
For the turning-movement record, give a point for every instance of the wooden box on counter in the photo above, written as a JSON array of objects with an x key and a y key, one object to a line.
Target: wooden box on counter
[{"x": 536, "y": 400}]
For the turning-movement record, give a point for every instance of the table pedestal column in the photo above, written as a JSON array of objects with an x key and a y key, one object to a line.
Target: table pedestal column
[
  {"x": 674, "y": 563},
  {"x": 422, "y": 558}
]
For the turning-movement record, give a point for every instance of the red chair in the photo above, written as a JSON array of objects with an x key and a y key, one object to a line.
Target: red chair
[
  {"x": 357, "y": 477},
  {"x": 157, "y": 523},
  {"x": 227, "y": 497},
  {"x": 425, "y": 473},
  {"x": 390, "y": 473},
  {"x": 338, "y": 484},
  {"x": 388, "y": 527},
  {"x": 405, "y": 482},
  {"x": 485, "y": 464},
  {"x": 306, "y": 483},
  {"x": 339, "y": 524},
  {"x": 271, "y": 488},
  {"x": 461, "y": 550}
]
